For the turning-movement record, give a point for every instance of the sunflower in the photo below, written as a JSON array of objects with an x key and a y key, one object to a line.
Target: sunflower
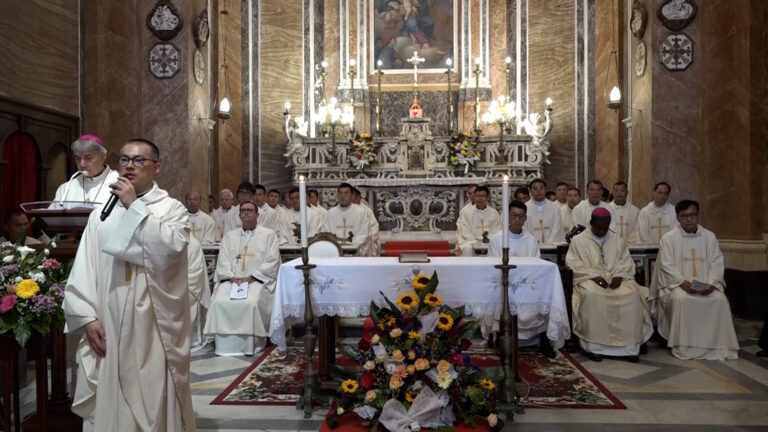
[
  {"x": 27, "y": 288},
  {"x": 411, "y": 395},
  {"x": 445, "y": 322},
  {"x": 408, "y": 301},
  {"x": 433, "y": 300},
  {"x": 487, "y": 384},
  {"x": 420, "y": 281},
  {"x": 349, "y": 386},
  {"x": 413, "y": 334}
]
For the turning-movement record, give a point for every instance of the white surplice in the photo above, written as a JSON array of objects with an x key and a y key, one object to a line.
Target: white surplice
[
  {"x": 471, "y": 225},
  {"x": 202, "y": 227},
  {"x": 625, "y": 219},
  {"x": 314, "y": 221},
  {"x": 653, "y": 222},
  {"x": 130, "y": 273},
  {"x": 544, "y": 222},
  {"x": 372, "y": 246},
  {"x": 199, "y": 290},
  {"x": 90, "y": 191},
  {"x": 220, "y": 216},
  {"x": 243, "y": 253},
  {"x": 582, "y": 213},
  {"x": 520, "y": 245},
  {"x": 608, "y": 321},
  {"x": 695, "y": 326},
  {"x": 232, "y": 219},
  {"x": 343, "y": 220}
]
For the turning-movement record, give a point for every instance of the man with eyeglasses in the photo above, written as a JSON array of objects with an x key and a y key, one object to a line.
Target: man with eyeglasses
[
  {"x": 692, "y": 311},
  {"x": 90, "y": 184},
  {"x": 128, "y": 292}
]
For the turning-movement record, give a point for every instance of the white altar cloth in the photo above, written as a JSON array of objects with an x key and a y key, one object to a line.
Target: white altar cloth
[{"x": 345, "y": 287}]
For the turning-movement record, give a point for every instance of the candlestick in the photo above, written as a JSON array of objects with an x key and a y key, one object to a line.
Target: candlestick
[
  {"x": 303, "y": 210},
  {"x": 449, "y": 72},
  {"x": 379, "y": 73},
  {"x": 477, "y": 73},
  {"x": 323, "y": 74},
  {"x": 505, "y": 212},
  {"x": 508, "y": 72}
]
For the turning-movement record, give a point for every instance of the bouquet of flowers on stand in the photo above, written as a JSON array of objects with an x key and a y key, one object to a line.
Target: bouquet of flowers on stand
[
  {"x": 362, "y": 152},
  {"x": 31, "y": 290},
  {"x": 462, "y": 152},
  {"x": 415, "y": 373}
]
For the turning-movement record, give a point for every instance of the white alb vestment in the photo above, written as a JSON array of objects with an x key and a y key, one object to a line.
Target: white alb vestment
[
  {"x": 130, "y": 273},
  {"x": 582, "y": 213},
  {"x": 199, "y": 290},
  {"x": 202, "y": 227},
  {"x": 566, "y": 217},
  {"x": 243, "y": 253},
  {"x": 520, "y": 245},
  {"x": 90, "y": 191},
  {"x": 625, "y": 220},
  {"x": 314, "y": 221},
  {"x": 232, "y": 220},
  {"x": 220, "y": 216},
  {"x": 608, "y": 321},
  {"x": 653, "y": 222},
  {"x": 320, "y": 209},
  {"x": 472, "y": 223},
  {"x": 544, "y": 222},
  {"x": 695, "y": 326},
  {"x": 372, "y": 246},
  {"x": 352, "y": 218}
]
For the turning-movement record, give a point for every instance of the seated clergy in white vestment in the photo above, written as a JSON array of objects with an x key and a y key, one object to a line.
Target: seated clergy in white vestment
[
  {"x": 475, "y": 222},
  {"x": 271, "y": 217},
  {"x": 201, "y": 226},
  {"x": 658, "y": 217},
  {"x": 693, "y": 313},
  {"x": 531, "y": 325},
  {"x": 373, "y": 246},
  {"x": 245, "y": 193},
  {"x": 624, "y": 213},
  {"x": 346, "y": 218},
  {"x": 582, "y": 213},
  {"x": 544, "y": 219},
  {"x": 572, "y": 199},
  {"x": 220, "y": 214},
  {"x": 313, "y": 200},
  {"x": 90, "y": 184},
  {"x": 246, "y": 270},
  {"x": 610, "y": 315},
  {"x": 199, "y": 290},
  {"x": 315, "y": 219}
]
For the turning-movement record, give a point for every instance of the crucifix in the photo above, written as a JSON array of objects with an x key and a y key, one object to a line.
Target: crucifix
[
  {"x": 693, "y": 260},
  {"x": 244, "y": 255},
  {"x": 659, "y": 227},
  {"x": 343, "y": 228},
  {"x": 415, "y": 60},
  {"x": 543, "y": 230},
  {"x": 482, "y": 225}
]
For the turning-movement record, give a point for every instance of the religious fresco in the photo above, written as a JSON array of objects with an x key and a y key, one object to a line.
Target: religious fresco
[{"x": 400, "y": 27}]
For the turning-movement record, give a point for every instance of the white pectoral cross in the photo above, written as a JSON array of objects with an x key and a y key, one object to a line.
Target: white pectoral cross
[{"x": 195, "y": 229}]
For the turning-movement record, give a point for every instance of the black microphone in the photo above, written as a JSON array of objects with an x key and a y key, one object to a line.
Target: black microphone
[
  {"x": 576, "y": 230},
  {"x": 108, "y": 207}
]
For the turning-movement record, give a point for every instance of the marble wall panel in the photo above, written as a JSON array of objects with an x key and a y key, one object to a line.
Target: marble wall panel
[
  {"x": 608, "y": 148},
  {"x": 40, "y": 54},
  {"x": 641, "y": 145},
  {"x": 395, "y": 106}
]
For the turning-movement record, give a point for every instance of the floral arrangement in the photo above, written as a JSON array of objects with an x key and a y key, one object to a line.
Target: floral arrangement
[
  {"x": 462, "y": 152},
  {"x": 31, "y": 290},
  {"x": 362, "y": 152},
  {"x": 414, "y": 372}
]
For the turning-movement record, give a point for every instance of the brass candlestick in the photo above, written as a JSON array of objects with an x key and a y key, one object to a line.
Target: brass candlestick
[
  {"x": 323, "y": 74},
  {"x": 508, "y": 88},
  {"x": 352, "y": 74},
  {"x": 379, "y": 73},
  {"x": 502, "y": 127},
  {"x": 310, "y": 374},
  {"x": 477, "y": 71},
  {"x": 508, "y": 338}
]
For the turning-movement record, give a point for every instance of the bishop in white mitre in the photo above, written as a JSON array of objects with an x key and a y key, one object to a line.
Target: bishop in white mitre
[
  {"x": 247, "y": 266},
  {"x": 544, "y": 216},
  {"x": 696, "y": 324},
  {"x": 582, "y": 213},
  {"x": 90, "y": 184},
  {"x": 475, "y": 221},
  {"x": 657, "y": 218},
  {"x": 346, "y": 218},
  {"x": 199, "y": 290},
  {"x": 128, "y": 293},
  {"x": 624, "y": 213},
  {"x": 293, "y": 216},
  {"x": 201, "y": 226},
  {"x": 221, "y": 214},
  {"x": 610, "y": 315}
]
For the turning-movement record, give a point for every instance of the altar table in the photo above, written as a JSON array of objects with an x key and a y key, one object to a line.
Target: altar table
[{"x": 345, "y": 287}]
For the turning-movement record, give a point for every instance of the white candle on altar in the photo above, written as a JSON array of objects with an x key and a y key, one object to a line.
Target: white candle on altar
[
  {"x": 303, "y": 210},
  {"x": 505, "y": 212}
]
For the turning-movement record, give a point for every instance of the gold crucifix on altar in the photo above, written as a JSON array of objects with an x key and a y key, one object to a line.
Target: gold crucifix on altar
[{"x": 415, "y": 111}]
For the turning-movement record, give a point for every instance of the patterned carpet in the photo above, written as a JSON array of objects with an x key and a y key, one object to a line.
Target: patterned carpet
[{"x": 275, "y": 378}]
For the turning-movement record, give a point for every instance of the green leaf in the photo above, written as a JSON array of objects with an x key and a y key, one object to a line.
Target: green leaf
[
  {"x": 342, "y": 374},
  {"x": 349, "y": 351},
  {"x": 374, "y": 311},
  {"x": 408, "y": 344},
  {"x": 494, "y": 373},
  {"x": 468, "y": 329},
  {"x": 395, "y": 310},
  {"x": 22, "y": 333},
  {"x": 5, "y": 325},
  {"x": 42, "y": 326}
]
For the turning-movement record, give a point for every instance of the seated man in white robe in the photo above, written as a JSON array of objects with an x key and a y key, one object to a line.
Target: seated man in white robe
[
  {"x": 583, "y": 211},
  {"x": 373, "y": 248},
  {"x": 313, "y": 200},
  {"x": 561, "y": 194},
  {"x": 90, "y": 184},
  {"x": 572, "y": 199},
  {"x": 245, "y": 193},
  {"x": 199, "y": 290},
  {"x": 293, "y": 216},
  {"x": 544, "y": 216},
  {"x": 220, "y": 214},
  {"x": 246, "y": 270},
  {"x": 692, "y": 311},
  {"x": 201, "y": 226},
  {"x": 347, "y": 219},
  {"x": 15, "y": 229},
  {"x": 476, "y": 223},
  {"x": 624, "y": 213},
  {"x": 610, "y": 315},
  {"x": 658, "y": 217},
  {"x": 522, "y": 194},
  {"x": 270, "y": 217}
]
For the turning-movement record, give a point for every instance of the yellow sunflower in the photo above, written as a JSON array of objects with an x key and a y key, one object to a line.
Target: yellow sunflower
[
  {"x": 487, "y": 384},
  {"x": 445, "y": 322},
  {"x": 433, "y": 300},
  {"x": 391, "y": 320},
  {"x": 413, "y": 334},
  {"x": 27, "y": 288},
  {"x": 411, "y": 395},
  {"x": 420, "y": 281},
  {"x": 408, "y": 301},
  {"x": 349, "y": 386}
]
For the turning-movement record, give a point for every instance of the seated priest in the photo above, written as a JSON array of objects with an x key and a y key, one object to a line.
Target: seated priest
[
  {"x": 692, "y": 311},
  {"x": 199, "y": 291},
  {"x": 201, "y": 226},
  {"x": 373, "y": 248},
  {"x": 521, "y": 242},
  {"x": 90, "y": 184},
  {"x": 582, "y": 213},
  {"x": 221, "y": 214},
  {"x": 658, "y": 217},
  {"x": 561, "y": 194},
  {"x": 543, "y": 216},
  {"x": 572, "y": 199},
  {"x": 293, "y": 216},
  {"x": 470, "y": 196},
  {"x": 346, "y": 219},
  {"x": 624, "y": 212},
  {"x": 313, "y": 199},
  {"x": 610, "y": 315},
  {"x": 15, "y": 229},
  {"x": 245, "y": 193},
  {"x": 522, "y": 194},
  {"x": 269, "y": 217},
  {"x": 476, "y": 223},
  {"x": 246, "y": 270}
]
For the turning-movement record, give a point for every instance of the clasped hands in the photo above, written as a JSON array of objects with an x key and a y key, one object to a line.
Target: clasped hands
[
  {"x": 615, "y": 282},
  {"x": 240, "y": 279}
]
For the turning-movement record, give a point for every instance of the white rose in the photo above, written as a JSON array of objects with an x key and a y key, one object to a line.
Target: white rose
[
  {"x": 339, "y": 410},
  {"x": 8, "y": 259},
  {"x": 46, "y": 251},
  {"x": 18, "y": 279},
  {"x": 375, "y": 339}
]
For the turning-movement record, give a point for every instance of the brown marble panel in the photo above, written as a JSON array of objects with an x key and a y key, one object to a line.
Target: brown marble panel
[
  {"x": 498, "y": 51},
  {"x": 642, "y": 113},
  {"x": 608, "y": 154},
  {"x": 331, "y": 48},
  {"x": 40, "y": 53}
]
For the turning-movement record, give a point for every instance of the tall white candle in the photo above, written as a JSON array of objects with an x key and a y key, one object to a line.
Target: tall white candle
[
  {"x": 303, "y": 210},
  {"x": 505, "y": 212}
]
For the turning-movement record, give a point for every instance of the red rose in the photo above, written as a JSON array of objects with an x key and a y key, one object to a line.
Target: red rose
[
  {"x": 457, "y": 359},
  {"x": 367, "y": 380},
  {"x": 359, "y": 156},
  {"x": 465, "y": 344},
  {"x": 364, "y": 344}
]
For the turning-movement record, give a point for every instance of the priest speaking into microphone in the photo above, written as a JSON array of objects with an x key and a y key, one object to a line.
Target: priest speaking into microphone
[{"x": 128, "y": 296}]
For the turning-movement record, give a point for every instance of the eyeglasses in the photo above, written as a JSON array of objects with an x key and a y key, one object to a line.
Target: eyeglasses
[
  {"x": 688, "y": 215},
  {"x": 138, "y": 161},
  {"x": 517, "y": 216},
  {"x": 245, "y": 210}
]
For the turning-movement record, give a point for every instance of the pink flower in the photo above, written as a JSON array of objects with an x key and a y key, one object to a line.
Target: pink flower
[
  {"x": 7, "y": 303},
  {"x": 11, "y": 288},
  {"x": 51, "y": 264}
]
